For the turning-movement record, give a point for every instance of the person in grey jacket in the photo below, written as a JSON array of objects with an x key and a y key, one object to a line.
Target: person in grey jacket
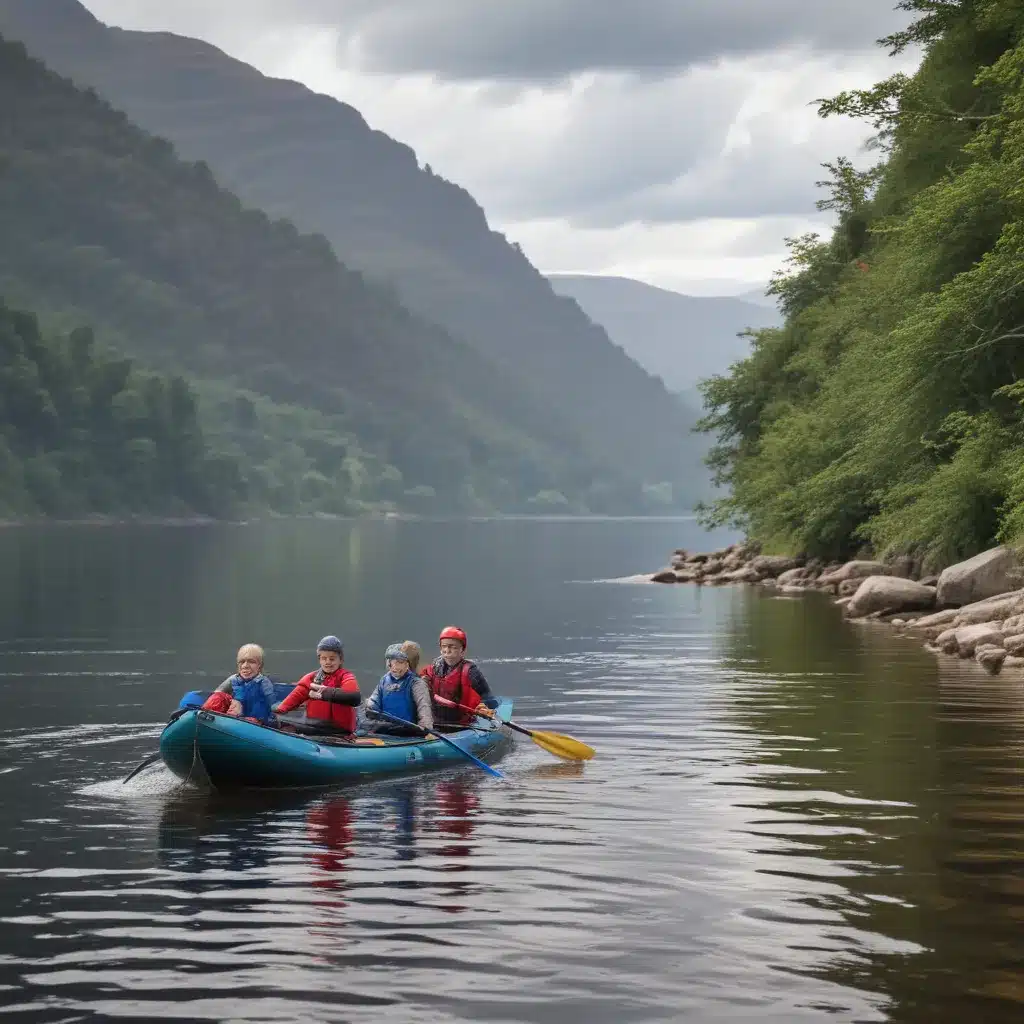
[{"x": 400, "y": 693}]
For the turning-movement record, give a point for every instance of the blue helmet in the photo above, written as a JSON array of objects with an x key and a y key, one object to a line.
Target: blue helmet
[
  {"x": 330, "y": 643},
  {"x": 396, "y": 651}
]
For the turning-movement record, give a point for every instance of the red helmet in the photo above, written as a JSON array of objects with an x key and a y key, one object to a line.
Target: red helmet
[{"x": 453, "y": 633}]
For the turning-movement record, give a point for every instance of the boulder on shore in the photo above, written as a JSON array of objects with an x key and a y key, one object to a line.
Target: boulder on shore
[
  {"x": 991, "y": 609},
  {"x": 664, "y": 576},
  {"x": 1014, "y": 624},
  {"x": 904, "y": 565},
  {"x": 992, "y": 572},
  {"x": 1014, "y": 644},
  {"x": 936, "y": 619},
  {"x": 990, "y": 657},
  {"x": 774, "y": 565},
  {"x": 791, "y": 576},
  {"x": 747, "y": 574},
  {"x": 970, "y": 638},
  {"x": 858, "y": 570},
  {"x": 889, "y": 594}
]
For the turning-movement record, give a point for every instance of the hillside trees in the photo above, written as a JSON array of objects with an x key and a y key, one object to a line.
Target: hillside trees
[{"x": 887, "y": 410}]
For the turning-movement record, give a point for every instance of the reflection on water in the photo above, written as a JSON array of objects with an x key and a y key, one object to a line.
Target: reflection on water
[{"x": 789, "y": 818}]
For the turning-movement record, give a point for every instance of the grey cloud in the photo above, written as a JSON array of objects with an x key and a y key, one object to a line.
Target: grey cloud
[
  {"x": 639, "y": 147},
  {"x": 660, "y": 155},
  {"x": 540, "y": 40},
  {"x": 769, "y": 178},
  {"x": 620, "y": 140}
]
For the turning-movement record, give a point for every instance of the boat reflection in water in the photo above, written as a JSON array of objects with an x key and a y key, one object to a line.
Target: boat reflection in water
[{"x": 391, "y": 842}]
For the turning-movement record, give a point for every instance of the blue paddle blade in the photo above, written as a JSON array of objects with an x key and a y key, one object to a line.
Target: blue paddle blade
[{"x": 444, "y": 739}]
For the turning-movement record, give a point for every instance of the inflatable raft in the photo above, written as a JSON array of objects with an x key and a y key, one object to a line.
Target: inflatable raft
[{"x": 228, "y": 753}]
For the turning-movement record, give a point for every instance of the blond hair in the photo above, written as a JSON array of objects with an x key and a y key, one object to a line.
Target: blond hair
[
  {"x": 413, "y": 652},
  {"x": 253, "y": 650}
]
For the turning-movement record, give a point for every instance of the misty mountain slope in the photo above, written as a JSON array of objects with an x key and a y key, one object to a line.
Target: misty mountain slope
[
  {"x": 680, "y": 338},
  {"x": 315, "y": 160},
  {"x": 758, "y": 298},
  {"x": 103, "y": 224}
]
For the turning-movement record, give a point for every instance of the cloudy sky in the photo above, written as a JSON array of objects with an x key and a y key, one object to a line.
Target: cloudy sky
[{"x": 674, "y": 141}]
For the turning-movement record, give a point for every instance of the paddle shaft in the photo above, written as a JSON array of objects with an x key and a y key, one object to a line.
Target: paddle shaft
[
  {"x": 444, "y": 739},
  {"x": 473, "y": 711},
  {"x": 566, "y": 747},
  {"x": 138, "y": 768}
]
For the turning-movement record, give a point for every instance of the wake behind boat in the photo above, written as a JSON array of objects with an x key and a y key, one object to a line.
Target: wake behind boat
[{"x": 231, "y": 753}]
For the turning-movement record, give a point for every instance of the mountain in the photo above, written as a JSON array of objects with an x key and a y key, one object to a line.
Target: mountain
[
  {"x": 103, "y": 224},
  {"x": 758, "y": 298},
  {"x": 680, "y": 338},
  {"x": 314, "y": 160}
]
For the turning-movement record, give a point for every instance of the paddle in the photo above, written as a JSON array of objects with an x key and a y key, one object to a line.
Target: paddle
[
  {"x": 138, "y": 768},
  {"x": 153, "y": 757},
  {"x": 553, "y": 742},
  {"x": 444, "y": 739}
]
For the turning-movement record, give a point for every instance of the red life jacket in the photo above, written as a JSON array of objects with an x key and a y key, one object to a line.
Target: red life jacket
[
  {"x": 337, "y": 714},
  {"x": 453, "y": 684}
]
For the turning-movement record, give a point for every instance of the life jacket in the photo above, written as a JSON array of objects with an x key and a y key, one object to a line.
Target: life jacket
[
  {"x": 454, "y": 685},
  {"x": 396, "y": 696},
  {"x": 256, "y": 696},
  {"x": 340, "y": 716}
]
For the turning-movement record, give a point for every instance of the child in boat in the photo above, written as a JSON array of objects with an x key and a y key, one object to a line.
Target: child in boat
[
  {"x": 401, "y": 693},
  {"x": 456, "y": 678},
  {"x": 248, "y": 693},
  {"x": 414, "y": 653},
  {"x": 331, "y": 694}
]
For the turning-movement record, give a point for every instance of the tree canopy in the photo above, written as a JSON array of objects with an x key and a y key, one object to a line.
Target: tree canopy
[
  {"x": 83, "y": 433},
  {"x": 887, "y": 411}
]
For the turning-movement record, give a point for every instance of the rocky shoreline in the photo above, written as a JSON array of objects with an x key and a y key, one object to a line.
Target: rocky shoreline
[{"x": 973, "y": 609}]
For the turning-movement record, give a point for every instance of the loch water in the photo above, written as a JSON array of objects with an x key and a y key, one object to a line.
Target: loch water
[{"x": 790, "y": 817}]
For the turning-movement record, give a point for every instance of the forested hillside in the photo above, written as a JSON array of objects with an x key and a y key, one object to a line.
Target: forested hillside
[
  {"x": 82, "y": 433},
  {"x": 314, "y": 160},
  {"x": 103, "y": 224},
  {"x": 887, "y": 411}
]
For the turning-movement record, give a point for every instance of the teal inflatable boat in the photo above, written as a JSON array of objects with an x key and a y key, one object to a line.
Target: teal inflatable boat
[{"x": 228, "y": 753}]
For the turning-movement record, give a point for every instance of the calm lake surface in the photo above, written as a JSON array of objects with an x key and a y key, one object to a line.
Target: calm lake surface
[{"x": 789, "y": 818}]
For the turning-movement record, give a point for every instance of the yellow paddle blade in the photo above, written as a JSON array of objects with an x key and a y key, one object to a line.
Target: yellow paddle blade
[{"x": 562, "y": 746}]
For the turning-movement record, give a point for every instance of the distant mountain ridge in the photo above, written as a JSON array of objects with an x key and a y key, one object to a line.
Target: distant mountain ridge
[
  {"x": 314, "y": 160},
  {"x": 102, "y": 224},
  {"x": 758, "y": 297},
  {"x": 679, "y": 338}
]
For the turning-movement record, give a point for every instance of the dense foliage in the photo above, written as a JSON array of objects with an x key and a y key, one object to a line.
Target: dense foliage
[
  {"x": 104, "y": 224},
  {"x": 886, "y": 413},
  {"x": 81, "y": 433}
]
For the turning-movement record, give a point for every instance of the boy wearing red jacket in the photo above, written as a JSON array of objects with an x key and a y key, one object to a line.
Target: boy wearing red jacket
[
  {"x": 456, "y": 678},
  {"x": 331, "y": 694}
]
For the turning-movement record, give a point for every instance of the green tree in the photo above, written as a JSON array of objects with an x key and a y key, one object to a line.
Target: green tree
[{"x": 886, "y": 411}]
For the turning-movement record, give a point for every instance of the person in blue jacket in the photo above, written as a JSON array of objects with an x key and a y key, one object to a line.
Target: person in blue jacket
[
  {"x": 248, "y": 693},
  {"x": 401, "y": 693}
]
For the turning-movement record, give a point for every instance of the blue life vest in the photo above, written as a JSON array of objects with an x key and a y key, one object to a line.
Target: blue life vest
[
  {"x": 256, "y": 696},
  {"x": 396, "y": 696}
]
